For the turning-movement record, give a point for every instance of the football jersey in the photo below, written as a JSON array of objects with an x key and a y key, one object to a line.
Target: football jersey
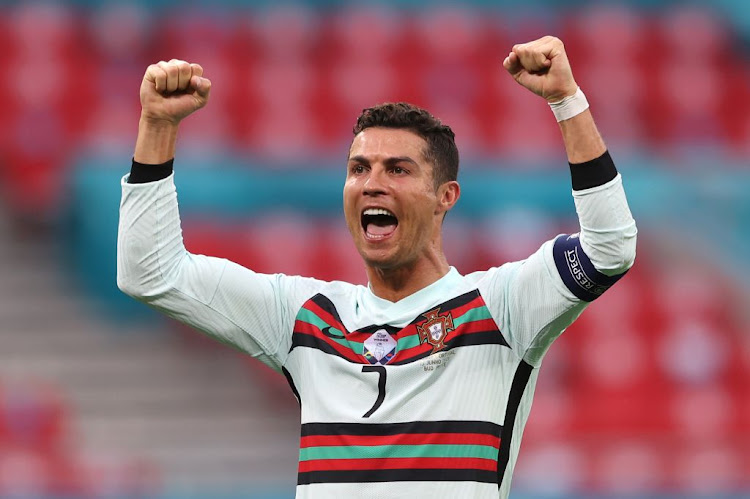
[{"x": 424, "y": 397}]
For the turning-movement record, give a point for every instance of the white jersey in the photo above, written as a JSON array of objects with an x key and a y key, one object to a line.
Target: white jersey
[{"x": 425, "y": 397}]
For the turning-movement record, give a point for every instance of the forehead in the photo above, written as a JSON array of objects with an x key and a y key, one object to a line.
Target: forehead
[{"x": 379, "y": 143}]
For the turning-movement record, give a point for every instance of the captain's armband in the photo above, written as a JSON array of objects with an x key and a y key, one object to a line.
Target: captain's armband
[{"x": 576, "y": 270}]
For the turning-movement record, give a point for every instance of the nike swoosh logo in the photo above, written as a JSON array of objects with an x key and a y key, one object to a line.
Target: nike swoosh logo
[{"x": 327, "y": 331}]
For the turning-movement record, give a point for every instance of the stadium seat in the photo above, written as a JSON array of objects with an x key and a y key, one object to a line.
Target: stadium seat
[{"x": 33, "y": 415}]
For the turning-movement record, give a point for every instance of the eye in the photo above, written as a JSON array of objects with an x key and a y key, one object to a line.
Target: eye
[
  {"x": 397, "y": 170},
  {"x": 357, "y": 169}
]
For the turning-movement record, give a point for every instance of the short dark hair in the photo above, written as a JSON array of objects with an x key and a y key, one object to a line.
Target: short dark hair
[{"x": 441, "y": 144}]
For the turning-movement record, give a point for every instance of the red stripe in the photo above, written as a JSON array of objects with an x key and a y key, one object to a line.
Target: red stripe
[
  {"x": 396, "y": 463},
  {"x": 407, "y": 331},
  {"x": 475, "y": 327},
  {"x": 302, "y": 327},
  {"x": 402, "y": 439},
  {"x": 413, "y": 351}
]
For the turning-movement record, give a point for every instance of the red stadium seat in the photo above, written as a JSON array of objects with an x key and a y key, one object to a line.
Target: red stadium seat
[
  {"x": 39, "y": 29},
  {"x": 33, "y": 415},
  {"x": 25, "y": 472},
  {"x": 605, "y": 33},
  {"x": 692, "y": 33},
  {"x": 286, "y": 32},
  {"x": 121, "y": 32},
  {"x": 384, "y": 28}
]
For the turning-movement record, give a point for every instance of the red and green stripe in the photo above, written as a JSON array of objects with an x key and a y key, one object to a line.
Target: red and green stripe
[
  {"x": 415, "y": 451},
  {"x": 318, "y": 326}
]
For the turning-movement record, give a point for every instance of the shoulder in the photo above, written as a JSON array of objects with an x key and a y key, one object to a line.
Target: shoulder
[
  {"x": 299, "y": 289},
  {"x": 311, "y": 286},
  {"x": 492, "y": 275}
]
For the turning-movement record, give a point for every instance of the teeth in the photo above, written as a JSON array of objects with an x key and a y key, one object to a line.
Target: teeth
[{"x": 378, "y": 211}]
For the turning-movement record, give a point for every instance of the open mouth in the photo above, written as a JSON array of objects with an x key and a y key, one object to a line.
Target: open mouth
[{"x": 378, "y": 223}]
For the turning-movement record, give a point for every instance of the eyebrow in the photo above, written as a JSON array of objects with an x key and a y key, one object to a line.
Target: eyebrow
[{"x": 388, "y": 161}]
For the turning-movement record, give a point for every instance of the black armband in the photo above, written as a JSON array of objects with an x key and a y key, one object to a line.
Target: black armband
[
  {"x": 141, "y": 173},
  {"x": 593, "y": 173}
]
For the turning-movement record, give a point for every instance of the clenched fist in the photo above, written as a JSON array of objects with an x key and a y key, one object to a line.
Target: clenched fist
[
  {"x": 543, "y": 67},
  {"x": 170, "y": 91}
]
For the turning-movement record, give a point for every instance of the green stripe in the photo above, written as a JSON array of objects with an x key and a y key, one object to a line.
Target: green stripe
[
  {"x": 386, "y": 451},
  {"x": 475, "y": 314},
  {"x": 408, "y": 342}
]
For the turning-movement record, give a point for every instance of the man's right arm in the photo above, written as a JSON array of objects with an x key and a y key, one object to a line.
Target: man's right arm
[{"x": 250, "y": 311}]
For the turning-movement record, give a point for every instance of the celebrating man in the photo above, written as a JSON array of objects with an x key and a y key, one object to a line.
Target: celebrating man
[{"x": 419, "y": 384}]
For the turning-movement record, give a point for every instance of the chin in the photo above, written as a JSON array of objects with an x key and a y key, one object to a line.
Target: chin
[
  {"x": 384, "y": 262},
  {"x": 378, "y": 263}
]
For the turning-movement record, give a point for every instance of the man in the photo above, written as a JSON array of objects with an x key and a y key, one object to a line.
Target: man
[{"x": 418, "y": 385}]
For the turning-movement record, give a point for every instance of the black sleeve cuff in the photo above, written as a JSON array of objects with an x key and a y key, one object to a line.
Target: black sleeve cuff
[
  {"x": 141, "y": 174},
  {"x": 593, "y": 173}
]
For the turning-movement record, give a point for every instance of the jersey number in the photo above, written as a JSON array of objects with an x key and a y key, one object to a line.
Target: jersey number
[{"x": 381, "y": 387}]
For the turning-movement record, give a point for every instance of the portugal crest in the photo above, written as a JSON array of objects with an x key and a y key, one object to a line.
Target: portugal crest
[{"x": 435, "y": 329}]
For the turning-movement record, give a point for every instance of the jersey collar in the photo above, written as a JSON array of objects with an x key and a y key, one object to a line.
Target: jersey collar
[{"x": 404, "y": 309}]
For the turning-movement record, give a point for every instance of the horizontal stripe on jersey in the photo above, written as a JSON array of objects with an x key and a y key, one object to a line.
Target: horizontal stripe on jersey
[
  {"x": 400, "y": 439},
  {"x": 387, "y": 451},
  {"x": 415, "y": 427},
  {"x": 447, "y": 463},
  {"x": 413, "y": 451},
  {"x": 397, "y": 475},
  {"x": 318, "y": 326}
]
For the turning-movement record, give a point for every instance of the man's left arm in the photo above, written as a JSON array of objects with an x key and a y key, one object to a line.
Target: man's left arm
[
  {"x": 581, "y": 266},
  {"x": 607, "y": 227}
]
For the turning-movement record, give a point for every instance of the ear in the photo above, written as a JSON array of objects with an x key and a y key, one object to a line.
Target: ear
[{"x": 447, "y": 194}]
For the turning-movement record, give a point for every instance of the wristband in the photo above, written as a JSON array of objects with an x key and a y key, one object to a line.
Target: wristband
[
  {"x": 142, "y": 174},
  {"x": 570, "y": 106}
]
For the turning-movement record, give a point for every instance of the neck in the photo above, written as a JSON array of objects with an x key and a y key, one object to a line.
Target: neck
[{"x": 394, "y": 284}]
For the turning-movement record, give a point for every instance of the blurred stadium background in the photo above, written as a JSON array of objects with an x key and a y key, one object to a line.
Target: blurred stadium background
[{"x": 648, "y": 395}]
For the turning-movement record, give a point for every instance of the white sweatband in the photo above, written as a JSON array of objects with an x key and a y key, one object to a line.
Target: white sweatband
[{"x": 570, "y": 106}]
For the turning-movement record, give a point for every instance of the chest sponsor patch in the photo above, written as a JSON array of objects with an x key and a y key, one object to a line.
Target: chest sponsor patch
[{"x": 379, "y": 348}]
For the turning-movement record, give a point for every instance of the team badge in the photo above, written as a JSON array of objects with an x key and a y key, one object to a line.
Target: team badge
[
  {"x": 435, "y": 329},
  {"x": 379, "y": 348}
]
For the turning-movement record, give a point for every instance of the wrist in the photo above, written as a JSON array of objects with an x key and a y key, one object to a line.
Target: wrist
[
  {"x": 156, "y": 124},
  {"x": 156, "y": 142},
  {"x": 570, "y": 106}
]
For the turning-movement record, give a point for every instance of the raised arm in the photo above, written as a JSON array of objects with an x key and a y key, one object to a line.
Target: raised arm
[
  {"x": 542, "y": 66},
  {"x": 607, "y": 228},
  {"x": 553, "y": 286},
  {"x": 170, "y": 92},
  {"x": 250, "y": 311}
]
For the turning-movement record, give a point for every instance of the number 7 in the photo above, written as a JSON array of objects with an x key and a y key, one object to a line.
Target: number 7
[{"x": 381, "y": 387}]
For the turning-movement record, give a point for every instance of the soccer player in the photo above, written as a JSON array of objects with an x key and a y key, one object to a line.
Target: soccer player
[{"x": 419, "y": 384}]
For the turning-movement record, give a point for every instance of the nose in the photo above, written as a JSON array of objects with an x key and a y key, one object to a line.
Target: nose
[{"x": 376, "y": 182}]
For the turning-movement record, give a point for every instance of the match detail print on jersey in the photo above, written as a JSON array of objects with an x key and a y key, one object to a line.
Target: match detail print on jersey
[
  {"x": 414, "y": 451},
  {"x": 576, "y": 270},
  {"x": 462, "y": 321}
]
